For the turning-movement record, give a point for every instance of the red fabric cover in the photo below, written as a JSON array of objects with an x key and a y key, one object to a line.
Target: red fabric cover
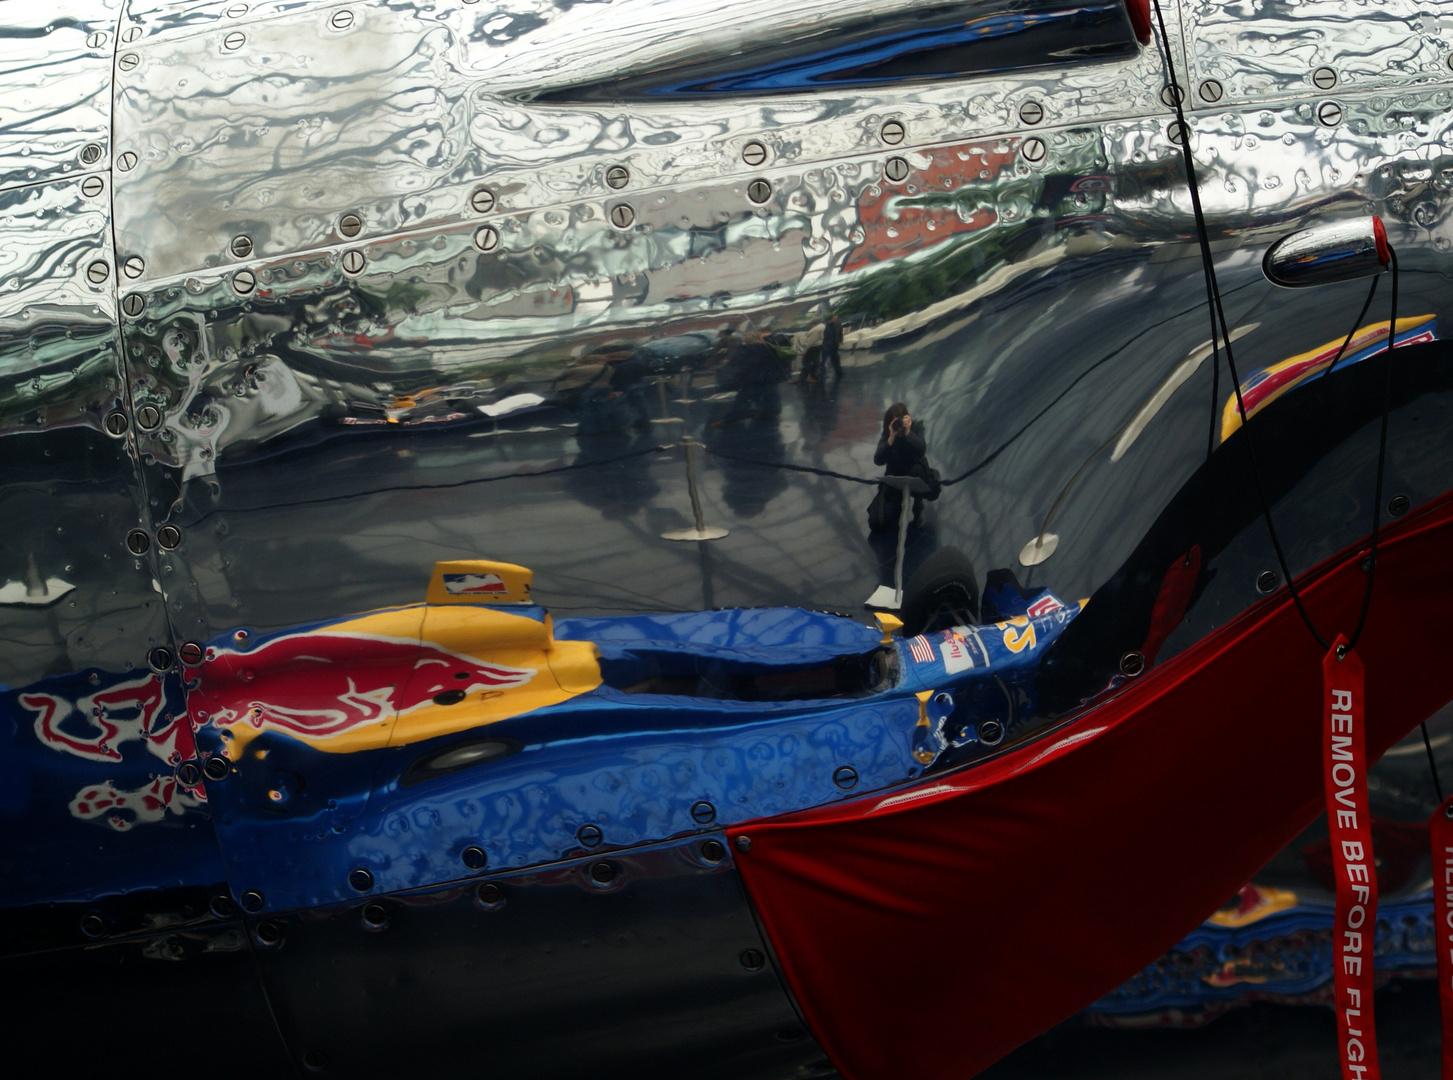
[
  {"x": 928, "y": 932},
  {"x": 1139, "y": 12}
]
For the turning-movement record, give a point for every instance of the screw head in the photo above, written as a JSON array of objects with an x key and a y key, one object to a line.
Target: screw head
[
  {"x": 744, "y": 843},
  {"x": 148, "y": 417},
  {"x": 1211, "y": 91},
  {"x": 127, "y": 161},
  {"x": 892, "y": 132},
  {"x": 92, "y": 186},
  {"x": 222, "y": 906},
  {"x": 489, "y": 895},
  {"x": 353, "y": 261},
  {"x": 474, "y": 857},
  {"x": 896, "y": 169},
  {"x": 251, "y": 900},
  {"x": 127, "y": 61},
  {"x": 486, "y": 238},
  {"x": 361, "y": 880},
  {"x": 845, "y": 777},
  {"x": 754, "y": 153},
  {"x": 703, "y": 813},
  {"x": 753, "y": 959},
  {"x": 96, "y": 40},
  {"x": 713, "y": 851},
  {"x": 93, "y": 925},
  {"x": 234, "y": 41},
  {"x": 1176, "y": 132},
  {"x": 116, "y": 422},
  {"x": 188, "y": 774},
  {"x": 1031, "y": 112},
  {"x": 622, "y": 215},
  {"x": 98, "y": 272},
  {"x": 243, "y": 282},
  {"x": 313, "y": 1060},
  {"x": 160, "y": 659},
  {"x": 1171, "y": 96},
  {"x": 236, "y": 11},
  {"x": 217, "y": 767},
  {"x": 375, "y": 916},
  {"x": 133, "y": 304},
  {"x": 90, "y": 154},
  {"x": 269, "y": 933},
  {"x": 350, "y": 224},
  {"x": 759, "y": 191},
  {"x": 241, "y": 246},
  {"x": 617, "y": 176},
  {"x": 1329, "y": 114},
  {"x": 341, "y": 19},
  {"x": 1399, "y": 505},
  {"x": 482, "y": 200},
  {"x": 1132, "y": 664},
  {"x": 1448, "y": 811},
  {"x": 1267, "y": 581},
  {"x": 131, "y": 33},
  {"x": 990, "y": 732},
  {"x": 191, "y": 653},
  {"x": 589, "y": 836},
  {"x": 1324, "y": 78},
  {"x": 168, "y": 537},
  {"x": 603, "y": 873},
  {"x": 134, "y": 266},
  {"x": 1366, "y": 562},
  {"x": 137, "y": 542},
  {"x": 1033, "y": 150}
]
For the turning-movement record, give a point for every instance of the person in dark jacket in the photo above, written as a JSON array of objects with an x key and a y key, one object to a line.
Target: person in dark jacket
[
  {"x": 832, "y": 340},
  {"x": 903, "y": 450}
]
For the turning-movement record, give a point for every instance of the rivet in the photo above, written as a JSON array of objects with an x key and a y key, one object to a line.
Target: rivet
[
  {"x": 589, "y": 835},
  {"x": 744, "y": 843},
  {"x": 131, "y": 34},
  {"x": 116, "y": 422},
  {"x": 96, "y": 40},
  {"x": 1398, "y": 505},
  {"x": 127, "y": 61},
  {"x": 892, "y": 132},
  {"x": 1341, "y": 653},
  {"x": 269, "y": 933},
  {"x": 133, "y": 304},
  {"x": 216, "y": 768},
  {"x": 482, "y": 200},
  {"x": 234, "y": 41},
  {"x": 1448, "y": 811},
  {"x": 1210, "y": 90},
  {"x": 98, "y": 272},
  {"x": 754, "y": 153},
  {"x": 341, "y": 20},
  {"x": 93, "y": 925},
  {"x": 313, "y": 1060},
  {"x": 617, "y": 176},
  {"x": 752, "y": 959},
  {"x": 236, "y": 11},
  {"x": 148, "y": 417},
  {"x": 896, "y": 169},
  {"x": 1033, "y": 150},
  {"x": 160, "y": 659},
  {"x": 243, "y": 282},
  {"x": 845, "y": 777},
  {"x": 1171, "y": 96},
  {"x": 1132, "y": 664},
  {"x": 350, "y": 224},
  {"x": 489, "y": 894},
  {"x": 92, "y": 186},
  {"x": 474, "y": 858},
  {"x": 486, "y": 238},
  {"x": 990, "y": 732},
  {"x": 127, "y": 161},
  {"x": 222, "y": 906},
  {"x": 1329, "y": 114},
  {"x": 241, "y": 246},
  {"x": 137, "y": 542},
  {"x": 622, "y": 215},
  {"x": 353, "y": 261},
  {"x": 1366, "y": 562},
  {"x": 134, "y": 266},
  {"x": 1267, "y": 581},
  {"x": 90, "y": 154},
  {"x": 759, "y": 191},
  {"x": 191, "y": 653},
  {"x": 375, "y": 916},
  {"x": 703, "y": 813},
  {"x": 168, "y": 537},
  {"x": 251, "y": 900},
  {"x": 1176, "y": 132},
  {"x": 1031, "y": 112},
  {"x": 1324, "y": 78},
  {"x": 713, "y": 851},
  {"x": 188, "y": 775},
  {"x": 603, "y": 873},
  {"x": 361, "y": 880}
]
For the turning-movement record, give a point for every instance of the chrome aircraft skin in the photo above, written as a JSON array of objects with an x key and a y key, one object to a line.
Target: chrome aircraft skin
[{"x": 302, "y": 301}]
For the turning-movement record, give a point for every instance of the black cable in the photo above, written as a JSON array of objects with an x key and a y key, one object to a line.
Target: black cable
[
  {"x": 1355, "y": 326},
  {"x": 1432, "y": 764}
]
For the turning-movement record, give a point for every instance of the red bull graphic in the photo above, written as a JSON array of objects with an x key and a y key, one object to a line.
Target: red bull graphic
[
  {"x": 97, "y": 725},
  {"x": 122, "y": 810}
]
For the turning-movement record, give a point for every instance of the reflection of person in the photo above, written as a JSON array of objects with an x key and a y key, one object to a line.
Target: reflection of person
[
  {"x": 903, "y": 450},
  {"x": 832, "y": 340},
  {"x": 753, "y": 371},
  {"x": 808, "y": 345}
]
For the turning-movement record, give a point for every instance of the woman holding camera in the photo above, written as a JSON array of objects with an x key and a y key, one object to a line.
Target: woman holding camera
[{"x": 903, "y": 449}]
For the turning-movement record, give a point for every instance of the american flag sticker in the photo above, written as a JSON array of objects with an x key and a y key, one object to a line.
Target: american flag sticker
[{"x": 921, "y": 649}]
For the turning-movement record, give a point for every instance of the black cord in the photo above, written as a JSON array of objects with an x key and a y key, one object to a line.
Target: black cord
[
  {"x": 1432, "y": 764},
  {"x": 1355, "y": 326}
]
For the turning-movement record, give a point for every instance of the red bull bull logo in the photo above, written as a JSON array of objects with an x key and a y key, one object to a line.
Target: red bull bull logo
[
  {"x": 98, "y": 725},
  {"x": 123, "y": 810}
]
